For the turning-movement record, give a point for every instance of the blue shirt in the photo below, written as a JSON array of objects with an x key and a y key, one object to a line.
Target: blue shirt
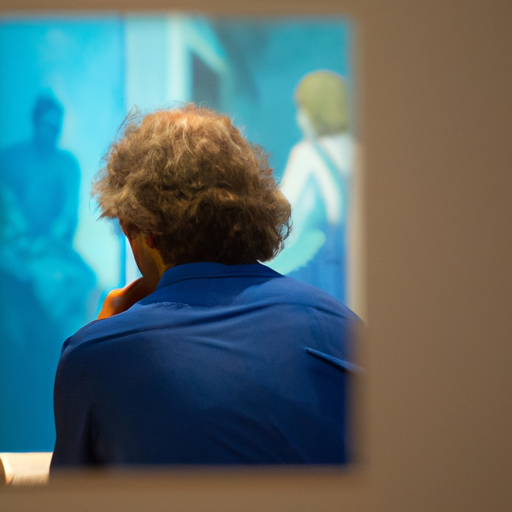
[{"x": 220, "y": 365}]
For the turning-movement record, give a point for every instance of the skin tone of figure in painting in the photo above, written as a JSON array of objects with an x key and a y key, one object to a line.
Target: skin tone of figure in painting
[{"x": 316, "y": 182}]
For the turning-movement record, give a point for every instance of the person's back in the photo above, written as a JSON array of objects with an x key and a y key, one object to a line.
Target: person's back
[{"x": 222, "y": 364}]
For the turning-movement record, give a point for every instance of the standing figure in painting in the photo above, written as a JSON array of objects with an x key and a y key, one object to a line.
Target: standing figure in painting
[
  {"x": 45, "y": 285},
  {"x": 316, "y": 183}
]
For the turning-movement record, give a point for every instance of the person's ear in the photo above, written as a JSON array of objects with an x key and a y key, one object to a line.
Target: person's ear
[
  {"x": 123, "y": 229},
  {"x": 150, "y": 240}
]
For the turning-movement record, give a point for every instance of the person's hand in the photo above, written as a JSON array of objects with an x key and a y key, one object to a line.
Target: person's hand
[{"x": 121, "y": 299}]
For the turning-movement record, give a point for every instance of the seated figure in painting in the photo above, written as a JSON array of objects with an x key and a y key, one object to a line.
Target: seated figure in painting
[
  {"x": 29, "y": 352},
  {"x": 316, "y": 181},
  {"x": 40, "y": 187},
  {"x": 46, "y": 290},
  {"x": 210, "y": 357}
]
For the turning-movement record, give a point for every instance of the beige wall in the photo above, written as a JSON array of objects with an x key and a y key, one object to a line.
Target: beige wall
[{"x": 436, "y": 108}]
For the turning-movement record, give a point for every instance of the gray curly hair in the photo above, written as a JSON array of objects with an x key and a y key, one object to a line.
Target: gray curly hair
[{"x": 189, "y": 178}]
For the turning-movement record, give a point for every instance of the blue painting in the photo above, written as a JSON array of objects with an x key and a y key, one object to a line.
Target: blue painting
[{"x": 67, "y": 84}]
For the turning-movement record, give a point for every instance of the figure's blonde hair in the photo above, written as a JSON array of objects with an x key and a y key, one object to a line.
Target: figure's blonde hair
[
  {"x": 323, "y": 96},
  {"x": 189, "y": 178}
]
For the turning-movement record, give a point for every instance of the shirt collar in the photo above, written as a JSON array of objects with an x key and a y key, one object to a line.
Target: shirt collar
[{"x": 203, "y": 270}]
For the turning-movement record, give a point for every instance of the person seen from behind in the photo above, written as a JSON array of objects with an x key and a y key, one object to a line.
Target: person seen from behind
[{"x": 210, "y": 357}]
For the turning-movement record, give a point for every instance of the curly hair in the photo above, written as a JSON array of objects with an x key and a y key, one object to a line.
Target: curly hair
[{"x": 189, "y": 178}]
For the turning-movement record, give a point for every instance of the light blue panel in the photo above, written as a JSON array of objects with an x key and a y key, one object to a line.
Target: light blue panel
[{"x": 146, "y": 62}]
